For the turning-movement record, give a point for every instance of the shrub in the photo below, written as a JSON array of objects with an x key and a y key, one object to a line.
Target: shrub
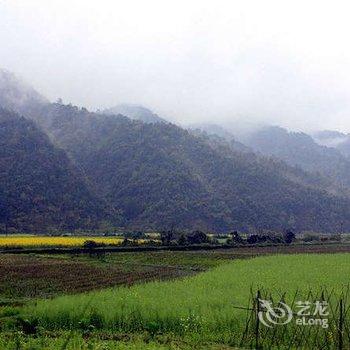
[
  {"x": 89, "y": 244},
  {"x": 197, "y": 237}
]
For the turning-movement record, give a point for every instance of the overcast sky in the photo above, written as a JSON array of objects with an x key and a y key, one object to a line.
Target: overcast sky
[{"x": 280, "y": 62}]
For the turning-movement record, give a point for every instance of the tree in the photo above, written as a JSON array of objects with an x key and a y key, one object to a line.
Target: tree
[
  {"x": 182, "y": 240},
  {"x": 289, "y": 237},
  {"x": 253, "y": 239},
  {"x": 235, "y": 238},
  {"x": 166, "y": 237},
  {"x": 4, "y": 211},
  {"x": 90, "y": 244},
  {"x": 197, "y": 237}
]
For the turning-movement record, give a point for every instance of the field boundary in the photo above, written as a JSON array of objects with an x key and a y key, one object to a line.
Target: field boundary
[{"x": 131, "y": 249}]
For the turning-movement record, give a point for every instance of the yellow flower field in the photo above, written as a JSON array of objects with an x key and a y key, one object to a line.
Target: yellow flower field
[{"x": 35, "y": 241}]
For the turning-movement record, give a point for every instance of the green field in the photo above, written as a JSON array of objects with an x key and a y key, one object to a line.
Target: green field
[{"x": 196, "y": 311}]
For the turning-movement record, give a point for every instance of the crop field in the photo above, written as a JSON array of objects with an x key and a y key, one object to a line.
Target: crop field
[
  {"x": 26, "y": 277},
  {"x": 49, "y": 241},
  {"x": 197, "y": 311}
]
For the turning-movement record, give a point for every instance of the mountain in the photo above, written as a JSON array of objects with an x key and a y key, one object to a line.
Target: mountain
[
  {"x": 218, "y": 135},
  {"x": 330, "y": 138},
  {"x": 300, "y": 149},
  {"x": 96, "y": 167},
  {"x": 338, "y": 140},
  {"x": 40, "y": 188},
  {"x": 160, "y": 175},
  {"x": 215, "y": 131},
  {"x": 291, "y": 172},
  {"x": 135, "y": 112},
  {"x": 18, "y": 96}
]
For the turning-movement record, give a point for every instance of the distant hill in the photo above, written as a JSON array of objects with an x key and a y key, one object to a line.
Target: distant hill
[
  {"x": 161, "y": 176},
  {"x": 300, "y": 149},
  {"x": 214, "y": 131},
  {"x": 338, "y": 140},
  {"x": 135, "y": 112},
  {"x": 40, "y": 188},
  {"x": 330, "y": 138}
]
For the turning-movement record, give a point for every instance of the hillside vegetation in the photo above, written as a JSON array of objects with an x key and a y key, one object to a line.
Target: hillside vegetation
[
  {"x": 74, "y": 169},
  {"x": 40, "y": 188},
  {"x": 160, "y": 175}
]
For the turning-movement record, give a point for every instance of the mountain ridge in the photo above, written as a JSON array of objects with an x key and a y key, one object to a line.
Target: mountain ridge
[{"x": 158, "y": 175}]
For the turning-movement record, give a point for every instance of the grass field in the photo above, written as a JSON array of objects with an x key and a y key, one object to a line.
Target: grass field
[
  {"x": 199, "y": 310},
  {"x": 208, "y": 296},
  {"x": 191, "y": 312}
]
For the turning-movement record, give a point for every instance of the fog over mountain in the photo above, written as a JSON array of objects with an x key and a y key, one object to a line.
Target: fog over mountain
[
  {"x": 16, "y": 94},
  {"x": 189, "y": 114},
  {"x": 136, "y": 112},
  {"x": 271, "y": 62},
  {"x": 64, "y": 167}
]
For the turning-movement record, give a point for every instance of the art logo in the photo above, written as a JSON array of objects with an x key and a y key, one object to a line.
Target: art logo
[{"x": 308, "y": 313}]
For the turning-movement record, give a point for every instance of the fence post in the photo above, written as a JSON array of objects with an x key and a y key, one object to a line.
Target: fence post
[
  {"x": 257, "y": 325},
  {"x": 340, "y": 325}
]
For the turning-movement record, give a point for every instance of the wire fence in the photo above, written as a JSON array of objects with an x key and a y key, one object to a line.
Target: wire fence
[{"x": 303, "y": 321}]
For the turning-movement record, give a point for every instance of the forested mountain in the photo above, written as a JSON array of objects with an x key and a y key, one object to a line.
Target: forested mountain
[
  {"x": 160, "y": 175},
  {"x": 293, "y": 173},
  {"x": 40, "y": 189},
  {"x": 135, "y": 112},
  {"x": 156, "y": 175},
  {"x": 300, "y": 149}
]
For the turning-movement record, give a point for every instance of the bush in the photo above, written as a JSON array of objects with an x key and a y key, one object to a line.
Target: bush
[
  {"x": 90, "y": 244},
  {"x": 197, "y": 237},
  {"x": 289, "y": 237},
  {"x": 235, "y": 238},
  {"x": 182, "y": 240}
]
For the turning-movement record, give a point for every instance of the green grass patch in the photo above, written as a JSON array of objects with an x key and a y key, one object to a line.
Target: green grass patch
[{"x": 202, "y": 307}]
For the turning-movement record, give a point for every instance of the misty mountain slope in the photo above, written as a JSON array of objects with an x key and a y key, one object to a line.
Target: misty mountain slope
[
  {"x": 292, "y": 173},
  {"x": 162, "y": 175},
  {"x": 330, "y": 138},
  {"x": 135, "y": 112},
  {"x": 299, "y": 149},
  {"x": 18, "y": 96},
  {"x": 336, "y": 139},
  {"x": 40, "y": 189},
  {"x": 217, "y": 136},
  {"x": 216, "y": 131}
]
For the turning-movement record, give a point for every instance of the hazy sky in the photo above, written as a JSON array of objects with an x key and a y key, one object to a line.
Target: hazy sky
[{"x": 284, "y": 62}]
